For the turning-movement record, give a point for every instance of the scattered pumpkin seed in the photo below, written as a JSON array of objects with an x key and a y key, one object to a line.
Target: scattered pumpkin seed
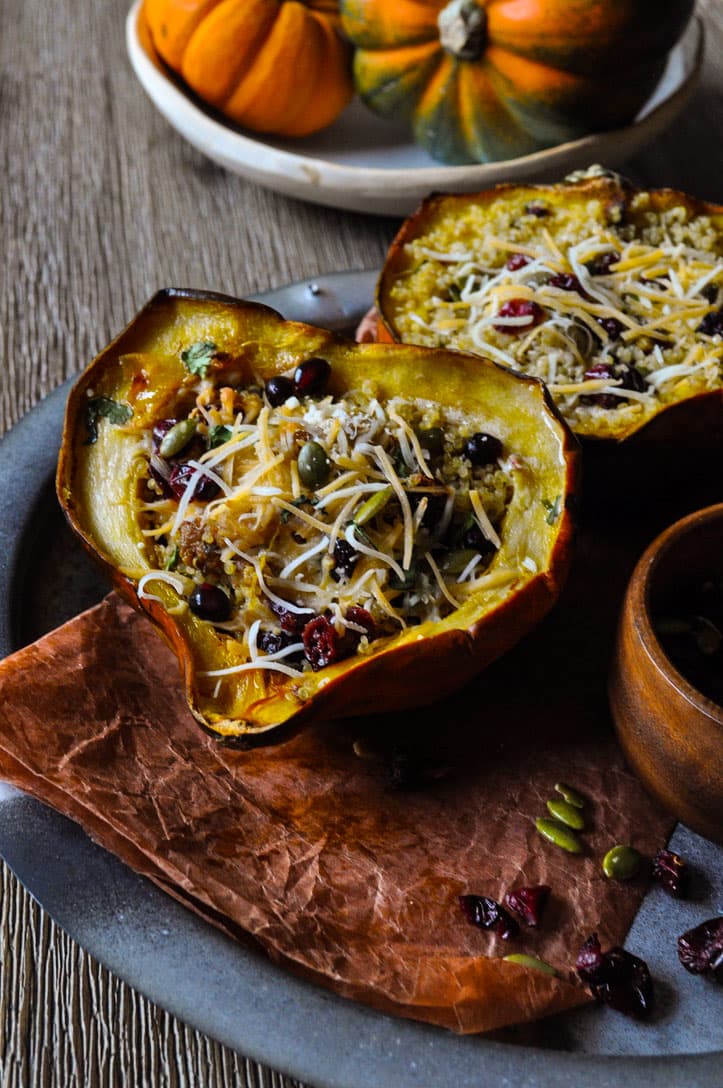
[
  {"x": 314, "y": 465},
  {"x": 531, "y": 961},
  {"x": 179, "y": 436},
  {"x": 621, "y": 863},
  {"x": 561, "y": 836},
  {"x": 567, "y": 814},
  {"x": 373, "y": 506},
  {"x": 570, "y": 795}
]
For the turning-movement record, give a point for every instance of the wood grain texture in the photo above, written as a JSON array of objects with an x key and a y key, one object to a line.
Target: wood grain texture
[{"x": 102, "y": 203}]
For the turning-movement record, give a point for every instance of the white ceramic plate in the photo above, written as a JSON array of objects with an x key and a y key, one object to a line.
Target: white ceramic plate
[{"x": 365, "y": 164}]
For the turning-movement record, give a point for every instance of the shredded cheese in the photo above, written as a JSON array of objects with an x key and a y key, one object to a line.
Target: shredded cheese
[{"x": 483, "y": 521}]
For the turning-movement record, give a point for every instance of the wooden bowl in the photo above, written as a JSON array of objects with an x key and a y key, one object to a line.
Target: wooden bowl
[{"x": 671, "y": 734}]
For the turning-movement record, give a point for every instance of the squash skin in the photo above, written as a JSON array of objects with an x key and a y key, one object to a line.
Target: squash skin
[
  {"x": 696, "y": 421},
  {"x": 413, "y": 669},
  {"x": 545, "y": 72},
  {"x": 272, "y": 66}
]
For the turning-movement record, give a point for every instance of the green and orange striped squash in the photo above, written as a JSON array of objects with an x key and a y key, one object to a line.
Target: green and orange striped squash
[
  {"x": 275, "y": 66},
  {"x": 484, "y": 80}
]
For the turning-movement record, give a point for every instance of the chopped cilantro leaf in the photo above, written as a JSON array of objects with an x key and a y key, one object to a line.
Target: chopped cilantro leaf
[
  {"x": 104, "y": 408},
  {"x": 172, "y": 560},
  {"x": 218, "y": 435},
  {"x": 198, "y": 358},
  {"x": 553, "y": 509},
  {"x": 303, "y": 500}
]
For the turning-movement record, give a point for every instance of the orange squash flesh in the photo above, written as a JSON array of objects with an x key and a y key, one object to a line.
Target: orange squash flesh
[{"x": 97, "y": 484}]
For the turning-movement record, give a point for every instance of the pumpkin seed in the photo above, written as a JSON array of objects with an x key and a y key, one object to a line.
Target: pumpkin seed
[
  {"x": 567, "y": 814},
  {"x": 314, "y": 465},
  {"x": 559, "y": 835},
  {"x": 531, "y": 961},
  {"x": 179, "y": 436},
  {"x": 373, "y": 506},
  {"x": 621, "y": 863},
  {"x": 570, "y": 795}
]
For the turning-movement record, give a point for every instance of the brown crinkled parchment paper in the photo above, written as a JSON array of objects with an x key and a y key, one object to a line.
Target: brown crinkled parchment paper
[{"x": 308, "y": 849}]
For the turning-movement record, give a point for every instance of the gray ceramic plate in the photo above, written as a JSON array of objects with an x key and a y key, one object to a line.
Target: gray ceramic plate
[{"x": 235, "y": 994}]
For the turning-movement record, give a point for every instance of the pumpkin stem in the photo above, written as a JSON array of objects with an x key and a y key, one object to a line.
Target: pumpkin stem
[{"x": 463, "y": 29}]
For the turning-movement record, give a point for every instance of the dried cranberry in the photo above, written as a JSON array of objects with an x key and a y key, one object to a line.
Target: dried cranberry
[
  {"x": 712, "y": 323},
  {"x": 672, "y": 872},
  {"x": 517, "y": 261},
  {"x": 565, "y": 281},
  {"x": 590, "y": 957},
  {"x": 612, "y": 326},
  {"x": 520, "y": 307},
  {"x": 600, "y": 266},
  {"x": 162, "y": 481},
  {"x": 311, "y": 377},
  {"x": 540, "y": 211},
  {"x": 358, "y": 615},
  {"x": 528, "y": 902},
  {"x": 278, "y": 390},
  {"x": 321, "y": 643},
  {"x": 700, "y": 950},
  {"x": 160, "y": 430},
  {"x": 600, "y": 370},
  {"x": 482, "y": 448},
  {"x": 616, "y": 978},
  {"x": 291, "y": 623},
  {"x": 628, "y": 377},
  {"x": 209, "y": 602},
  {"x": 486, "y": 913},
  {"x": 204, "y": 490},
  {"x": 345, "y": 560},
  {"x": 710, "y": 292}
]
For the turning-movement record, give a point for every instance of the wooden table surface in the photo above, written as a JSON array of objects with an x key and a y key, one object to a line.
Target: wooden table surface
[{"x": 102, "y": 203}]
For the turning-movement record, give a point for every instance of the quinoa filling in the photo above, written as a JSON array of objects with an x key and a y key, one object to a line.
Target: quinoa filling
[
  {"x": 308, "y": 527},
  {"x": 615, "y": 318}
]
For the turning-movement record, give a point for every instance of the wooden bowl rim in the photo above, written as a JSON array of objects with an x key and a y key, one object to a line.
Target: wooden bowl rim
[{"x": 639, "y": 597}]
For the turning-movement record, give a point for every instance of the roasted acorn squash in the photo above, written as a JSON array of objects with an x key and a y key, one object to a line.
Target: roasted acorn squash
[
  {"x": 222, "y": 402},
  {"x": 483, "y": 80},
  {"x": 610, "y": 294}
]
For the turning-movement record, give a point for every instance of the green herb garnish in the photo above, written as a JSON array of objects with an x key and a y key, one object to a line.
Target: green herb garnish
[
  {"x": 553, "y": 509},
  {"x": 303, "y": 500},
  {"x": 199, "y": 356},
  {"x": 172, "y": 561},
  {"x": 218, "y": 436},
  {"x": 104, "y": 408}
]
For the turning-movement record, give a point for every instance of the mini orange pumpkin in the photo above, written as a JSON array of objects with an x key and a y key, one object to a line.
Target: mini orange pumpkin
[
  {"x": 484, "y": 80},
  {"x": 277, "y": 66}
]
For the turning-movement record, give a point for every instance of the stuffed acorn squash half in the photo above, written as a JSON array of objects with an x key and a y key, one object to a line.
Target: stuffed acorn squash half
[
  {"x": 319, "y": 529},
  {"x": 611, "y": 295}
]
